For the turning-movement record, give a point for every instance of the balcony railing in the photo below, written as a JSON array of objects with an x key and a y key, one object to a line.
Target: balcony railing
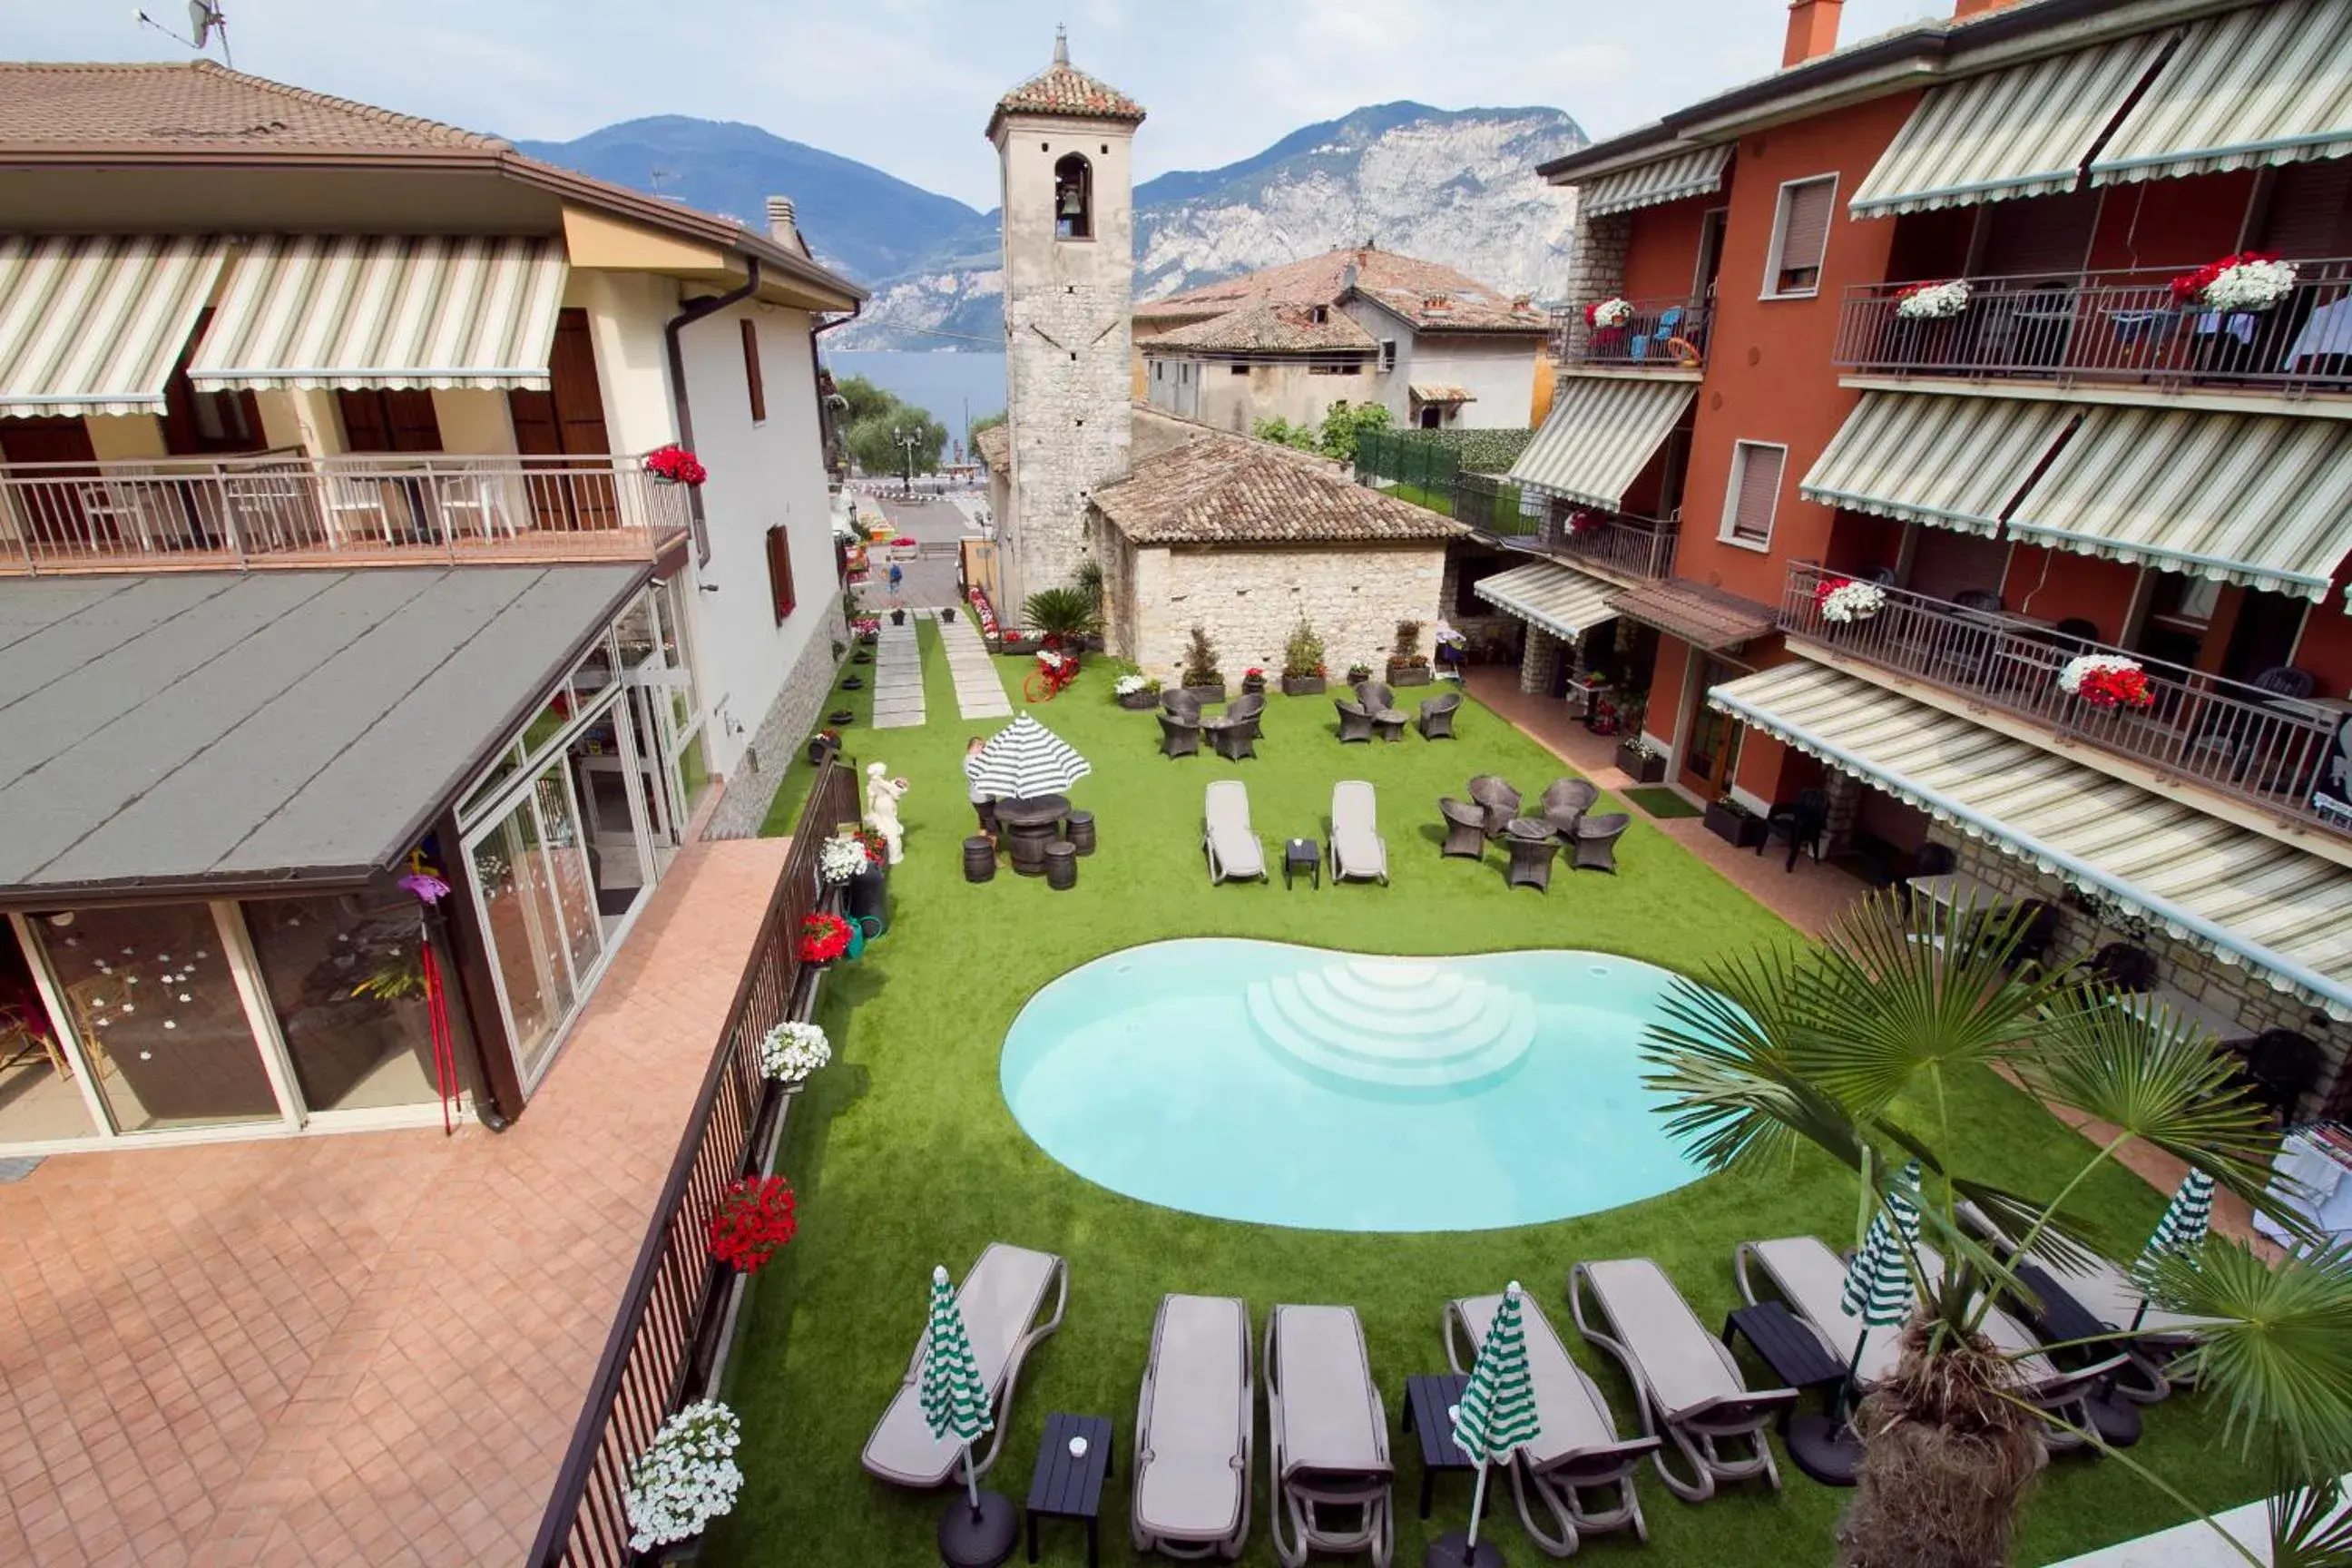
[
  {"x": 1666, "y": 333},
  {"x": 2110, "y": 327},
  {"x": 1626, "y": 546},
  {"x": 288, "y": 508},
  {"x": 2232, "y": 738}
]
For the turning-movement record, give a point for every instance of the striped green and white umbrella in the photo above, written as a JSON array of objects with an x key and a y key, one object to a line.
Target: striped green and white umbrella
[
  {"x": 2179, "y": 1232},
  {"x": 1496, "y": 1414},
  {"x": 1878, "y": 1279},
  {"x": 955, "y": 1401},
  {"x": 1025, "y": 759}
]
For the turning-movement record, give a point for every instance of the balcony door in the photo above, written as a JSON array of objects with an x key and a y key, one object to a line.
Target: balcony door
[
  {"x": 385, "y": 419},
  {"x": 59, "y": 506},
  {"x": 567, "y": 420},
  {"x": 1711, "y": 756}
]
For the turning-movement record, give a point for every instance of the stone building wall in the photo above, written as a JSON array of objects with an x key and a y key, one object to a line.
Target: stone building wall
[
  {"x": 776, "y": 741},
  {"x": 1249, "y": 599},
  {"x": 1596, "y": 270}
]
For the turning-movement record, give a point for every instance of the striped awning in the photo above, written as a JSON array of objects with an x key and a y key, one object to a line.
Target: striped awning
[
  {"x": 2262, "y": 85},
  {"x": 2254, "y": 500},
  {"x": 94, "y": 323},
  {"x": 1951, "y": 462},
  {"x": 1694, "y": 173},
  {"x": 1565, "y": 603},
  {"x": 1601, "y": 433},
  {"x": 2249, "y": 899},
  {"x": 386, "y": 311},
  {"x": 2022, "y": 132}
]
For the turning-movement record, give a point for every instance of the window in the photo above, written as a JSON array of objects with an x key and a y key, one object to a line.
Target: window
[
  {"x": 1754, "y": 493},
  {"x": 1319, "y": 314},
  {"x": 1800, "y": 236},
  {"x": 779, "y": 573},
  {"x": 1387, "y": 355},
  {"x": 1074, "y": 198},
  {"x": 1240, "y": 367},
  {"x": 753, "y": 381}
]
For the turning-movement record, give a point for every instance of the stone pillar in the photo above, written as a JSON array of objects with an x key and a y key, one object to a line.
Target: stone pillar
[
  {"x": 1540, "y": 663},
  {"x": 1845, "y": 809},
  {"x": 1596, "y": 271}
]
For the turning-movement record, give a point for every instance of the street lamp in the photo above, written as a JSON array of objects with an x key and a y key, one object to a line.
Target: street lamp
[{"x": 908, "y": 440}]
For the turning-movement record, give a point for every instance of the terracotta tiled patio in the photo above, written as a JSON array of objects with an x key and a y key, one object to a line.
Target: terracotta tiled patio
[{"x": 367, "y": 1348}]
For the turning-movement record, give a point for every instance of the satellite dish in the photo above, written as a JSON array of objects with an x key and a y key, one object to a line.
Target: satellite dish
[
  {"x": 205, "y": 24},
  {"x": 202, "y": 20}
]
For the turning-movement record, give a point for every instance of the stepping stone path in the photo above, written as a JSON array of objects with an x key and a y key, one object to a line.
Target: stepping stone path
[
  {"x": 978, "y": 693},
  {"x": 898, "y": 678}
]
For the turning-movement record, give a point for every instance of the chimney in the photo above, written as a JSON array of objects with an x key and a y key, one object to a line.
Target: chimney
[
  {"x": 1964, "y": 10},
  {"x": 779, "y": 221},
  {"x": 1812, "y": 30}
]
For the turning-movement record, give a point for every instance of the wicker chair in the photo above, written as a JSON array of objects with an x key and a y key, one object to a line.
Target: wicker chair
[
  {"x": 1497, "y": 797},
  {"x": 1388, "y": 719},
  {"x": 1466, "y": 828},
  {"x": 1355, "y": 723},
  {"x": 1566, "y": 801},
  {"x": 2122, "y": 965},
  {"x": 1436, "y": 721},
  {"x": 1531, "y": 864},
  {"x": 1178, "y": 737},
  {"x": 2280, "y": 1067},
  {"x": 1596, "y": 840},
  {"x": 1180, "y": 704},
  {"x": 1235, "y": 732}
]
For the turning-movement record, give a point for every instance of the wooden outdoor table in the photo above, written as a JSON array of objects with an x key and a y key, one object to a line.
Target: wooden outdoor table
[
  {"x": 1300, "y": 854},
  {"x": 1067, "y": 1486},
  {"x": 1029, "y": 826},
  {"x": 1429, "y": 1400}
]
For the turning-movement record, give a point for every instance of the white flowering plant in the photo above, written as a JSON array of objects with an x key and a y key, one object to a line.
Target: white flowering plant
[
  {"x": 685, "y": 1478},
  {"x": 1609, "y": 314},
  {"x": 1129, "y": 685},
  {"x": 2250, "y": 281},
  {"x": 1932, "y": 301},
  {"x": 791, "y": 1050},
  {"x": 839, "y": 860},
  {"x": 2106, "y": 680},
  {"x": 1850, "y": 601}
]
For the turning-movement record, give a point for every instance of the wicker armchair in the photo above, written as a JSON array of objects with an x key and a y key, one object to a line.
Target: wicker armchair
[
  {"x": 1596, "y": 841},
  {"x": 1178, "y": 737},
  {"x": 1566, "y": 801},
  {"x": 1499, "y": 801},
  {"x": 1466, "y": 828},
  {"x": 1436, "y": 721},
  {"x": 1388, "y": 719},
  {"x": 1234, "y": 733},
  {"x": 1355, "y": 722}
]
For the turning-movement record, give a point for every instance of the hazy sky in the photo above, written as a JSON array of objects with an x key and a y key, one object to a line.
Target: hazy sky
[{"x": 906, "y": 85}]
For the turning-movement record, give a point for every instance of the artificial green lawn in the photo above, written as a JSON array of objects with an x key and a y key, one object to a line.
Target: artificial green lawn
[{"x": 904, "y": 1154}]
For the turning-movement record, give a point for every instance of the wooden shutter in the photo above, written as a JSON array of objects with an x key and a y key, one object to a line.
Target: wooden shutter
[
  {"x": 1754, "y": 492},
  {"x": 780, "y": 573},
  {"x": 2309, "y": 213},
  {"x": 387, "y": 421},
  {"x": 1804, "y": 233},
  {"x": 753, "y": 382}
]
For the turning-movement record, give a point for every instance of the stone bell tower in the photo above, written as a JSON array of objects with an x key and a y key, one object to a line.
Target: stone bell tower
[{"x": 1063, "y": 143}]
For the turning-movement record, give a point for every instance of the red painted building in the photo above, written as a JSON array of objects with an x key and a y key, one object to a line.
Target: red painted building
[{"x": 2052, "y": 451}]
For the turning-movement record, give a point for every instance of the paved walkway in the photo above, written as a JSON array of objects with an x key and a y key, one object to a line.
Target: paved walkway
[
  {"x": 367, "y": 1350},
  {"x": 980, "y": 692},
  {"x": 898, "y": 678}
]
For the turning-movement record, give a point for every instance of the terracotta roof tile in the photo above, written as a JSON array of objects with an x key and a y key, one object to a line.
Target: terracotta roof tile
[
  {"x": 1705, "y": 617},
  {"x": 1441, "y": 392},
  {"x": 199, "y": 105},
  {"x": 1218, "y": 489},
  {"x": 1062, "y": 90},
  {"x": 1433, "y": 297},
  {"x": 1269, "y": 328}
]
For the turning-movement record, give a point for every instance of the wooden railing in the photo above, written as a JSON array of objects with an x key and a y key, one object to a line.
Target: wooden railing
[
  {"x": 289, "y": 509},
  {"x": 665, "y": 1334},
  {"x": 1668, "y": 332},
  {"x": 2219, "y": 735},
  {"x": 2111, "y": 326}
]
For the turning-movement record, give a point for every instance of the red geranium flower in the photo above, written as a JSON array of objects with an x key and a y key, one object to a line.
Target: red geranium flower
[
  {"x": 676, "y": 464},
  {"x": 752, "y": 1220},
  {"x": 824, "y": 938}
]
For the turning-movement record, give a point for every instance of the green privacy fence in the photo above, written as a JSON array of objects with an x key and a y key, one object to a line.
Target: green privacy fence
[{"x": 1449, "y": 472}]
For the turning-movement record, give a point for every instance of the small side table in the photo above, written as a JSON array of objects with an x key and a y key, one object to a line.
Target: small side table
[
  {"x": 1428, "y": 1396},
  {"x": 1067, "y": 1486},
  {"x": 1302, "y": 855},
  {"x": 1823, "y": 1445}
]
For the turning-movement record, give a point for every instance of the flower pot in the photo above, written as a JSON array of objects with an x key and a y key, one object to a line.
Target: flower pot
[
  {"x": 1138, "y": 701},
  {"x": 1640, "y": 766},
  {"x": 867, "y": 638},
  {"x": 841, "y": 716},
  {"x": 947, "y": 614},
  {"x": 1253, "y": 683},
  {"x": 853, "y": 683},
  {"x": 1206, "y": 693},
  {"x": 861, "y": 656},
  {"x": 1736, "y": 829},
  {"x": 897, "y": 617},
  {"x": 1302, "y": 686},
  {"x": 819, "y": 749},
  {"x": 1408, "y": 674}
]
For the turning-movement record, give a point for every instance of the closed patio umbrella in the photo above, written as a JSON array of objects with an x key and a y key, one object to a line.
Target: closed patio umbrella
[
  {"x": 1025, "y": 759},
  {"x": 1878, "y": 1291},
  {"x": 2180, "y": 1230},
  {"x": 1495, "y": 1419},
  {"x": 956, "y": 1405}
]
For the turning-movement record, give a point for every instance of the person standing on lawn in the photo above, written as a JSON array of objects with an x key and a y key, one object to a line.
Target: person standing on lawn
[{"x": 982, "y": 803}]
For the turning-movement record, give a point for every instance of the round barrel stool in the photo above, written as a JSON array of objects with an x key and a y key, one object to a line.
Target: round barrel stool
[
  {"x": 979, "y": 858},
  {"x": 1061, "y": 866},
  {"x": 1080, "y": 826}
]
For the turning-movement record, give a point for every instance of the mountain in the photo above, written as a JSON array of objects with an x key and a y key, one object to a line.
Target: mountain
[
  {"x": 859, "y": 219},
  {"x": 1456, "y": 186}
]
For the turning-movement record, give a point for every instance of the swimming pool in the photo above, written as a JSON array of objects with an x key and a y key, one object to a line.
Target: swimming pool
[{"x": 1253, "y": 1081}]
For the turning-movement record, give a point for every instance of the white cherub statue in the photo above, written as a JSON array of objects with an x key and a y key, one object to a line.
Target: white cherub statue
[{"x": 882, "y": 793}]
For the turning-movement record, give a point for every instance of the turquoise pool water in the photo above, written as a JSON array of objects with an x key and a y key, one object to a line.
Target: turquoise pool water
[{"x": 1252, "y": 1081}]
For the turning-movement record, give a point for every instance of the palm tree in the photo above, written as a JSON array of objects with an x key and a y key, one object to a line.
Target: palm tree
[
  {"x": 1060, "y": 614},
  {"x": 1852, "y": 1047}
]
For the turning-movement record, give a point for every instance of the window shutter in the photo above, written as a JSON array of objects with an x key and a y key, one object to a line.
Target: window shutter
[
  {"x": 780, "y": 573},
  {"x": 1757, "y": 491},
  {"x": 2310, "y": 210},
  {"x": 2039, "y": 235},
  {"x": 753, "y": 381},
  {"x": 1804, "y": 232}
]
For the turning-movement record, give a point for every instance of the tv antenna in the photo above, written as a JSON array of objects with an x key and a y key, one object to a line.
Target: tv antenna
[{"x": 205, "y": 21}]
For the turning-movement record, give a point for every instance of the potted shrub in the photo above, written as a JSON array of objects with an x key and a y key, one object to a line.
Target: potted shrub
[
  {"x": 1302, "y": 661},
  {"x": 897, "y": 617},
  {"x": 1639, "y": 758},
  {"x": 1734, "y": 822},
  {"x": 824, "y": 938},
  {"x": 1136, "y": 692},
  {"x": 947, "y": 614},
  {"x": 822, "y": 744},
  {"x": 1059, "y": 616},
  {"x": 685, "y": 1478},
  {"x": 842, "y": 716},
  {"x": 1408, "y": 666},
  {"x": 1202, "y": 677},
  {"x": 793, "y": 1050},
  {"x": 1252, "y": 679},
  {"x": 752, "y": 1222},
  {"x": 853, "y": 683},
  {"x": 1358, "y": 673}
]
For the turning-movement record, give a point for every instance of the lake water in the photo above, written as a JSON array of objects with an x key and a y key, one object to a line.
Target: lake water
[{"x": 944, "y": 384}]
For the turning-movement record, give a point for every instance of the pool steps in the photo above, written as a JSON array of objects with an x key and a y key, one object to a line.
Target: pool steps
[{"x": 1390, "y": 1028}]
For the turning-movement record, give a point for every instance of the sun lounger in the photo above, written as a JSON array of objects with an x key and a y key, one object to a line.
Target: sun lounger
[
  {"x": 2108, "y": 1294},
  {"x": 1001, "y": 1298},
  {"x": 1327, "y": 1437},
  {"x": 1233, "y": 849},
  {"x": 1577, "y": 1455},
  {"x": 1357, "y": 851},
  {"x": 1685, "y": 1376},
  {"x": 1193, "y": 1430}
]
